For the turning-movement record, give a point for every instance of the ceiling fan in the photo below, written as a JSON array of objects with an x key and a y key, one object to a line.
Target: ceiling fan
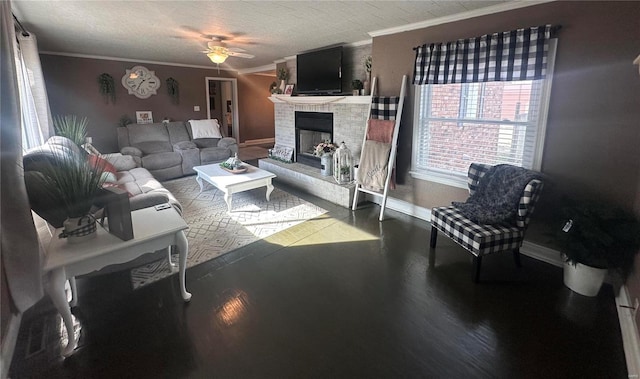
[{"x": 218, "y": 51}]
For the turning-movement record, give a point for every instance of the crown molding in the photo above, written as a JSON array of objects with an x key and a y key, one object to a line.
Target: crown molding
[
  {"x": 134, "y": 60},
  {"x": 252, "y": 70},
  {"x": 459, "y": 16},
  {"x": 360, "y": 43}
]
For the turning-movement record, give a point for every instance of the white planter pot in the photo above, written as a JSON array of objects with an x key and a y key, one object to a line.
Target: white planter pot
[
  {"x": 79, "y": 229},
  {"x": 583, "y": 279}
]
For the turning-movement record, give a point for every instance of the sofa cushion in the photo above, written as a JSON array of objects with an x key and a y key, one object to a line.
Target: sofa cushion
[
  {"x": 154, "y": 147},
  {"x": 213, "y": 154},
  {"x": 161, "y": 160},
  {"x": 146, "y": 133},
  {"x": 206, "y": 142},
  {"x": 184, "y": 145}
]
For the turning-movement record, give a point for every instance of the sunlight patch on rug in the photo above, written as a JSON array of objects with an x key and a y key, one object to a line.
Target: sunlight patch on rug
[{"x": 213, "y": 231}]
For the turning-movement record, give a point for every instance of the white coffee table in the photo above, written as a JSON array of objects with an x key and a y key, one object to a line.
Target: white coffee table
[
  {"x": 230, "y": 183},
  {"x": 152, "y": 230}
]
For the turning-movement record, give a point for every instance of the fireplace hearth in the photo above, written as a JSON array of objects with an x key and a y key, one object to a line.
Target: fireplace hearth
[{"x": 311, "y": 129}]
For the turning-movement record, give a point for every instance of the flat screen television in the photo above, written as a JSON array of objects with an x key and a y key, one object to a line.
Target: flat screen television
[{"x": 320, "y": 72}]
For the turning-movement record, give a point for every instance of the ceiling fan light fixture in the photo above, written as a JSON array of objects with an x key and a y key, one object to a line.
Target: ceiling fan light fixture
[{"x": 217, "y": 57}]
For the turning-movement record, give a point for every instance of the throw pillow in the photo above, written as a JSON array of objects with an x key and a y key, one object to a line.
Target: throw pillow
[
  {"x": 96, "y": 161},
  {"x": 205, "y": 128}
]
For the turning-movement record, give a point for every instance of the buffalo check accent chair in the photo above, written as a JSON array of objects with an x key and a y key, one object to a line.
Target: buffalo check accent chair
[{"x": 480, "y": 239}]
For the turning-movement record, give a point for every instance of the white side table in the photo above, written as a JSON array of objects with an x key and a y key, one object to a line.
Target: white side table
[{"x": 152, "y": 230}]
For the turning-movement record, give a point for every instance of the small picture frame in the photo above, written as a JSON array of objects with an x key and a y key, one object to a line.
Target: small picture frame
[
  {"x": 288, "y": 90},
  {"x": 144, "y": 117}
]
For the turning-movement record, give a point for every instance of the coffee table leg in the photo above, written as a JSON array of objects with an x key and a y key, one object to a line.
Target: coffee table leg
[
  {"x": 57, "y": 278},
  {"x": 227, "y": 199},
  {"x": 183, "y": 249},
  {"x": 269, "y": 189},
  {"x": 199, "y": 180}
]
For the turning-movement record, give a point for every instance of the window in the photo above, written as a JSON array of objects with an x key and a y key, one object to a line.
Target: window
[{"x": 489, "y": 122}]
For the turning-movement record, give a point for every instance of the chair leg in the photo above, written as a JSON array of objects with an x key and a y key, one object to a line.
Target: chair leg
[
  {"x": 516, "y": 257},
  {"x": 434, "y": 236},
  {"x": 477, "y": 262}
]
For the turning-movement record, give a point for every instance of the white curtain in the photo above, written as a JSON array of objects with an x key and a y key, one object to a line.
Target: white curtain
[
  {"x": 19, "y": 250},
  {"x": 37, "y": 126}
]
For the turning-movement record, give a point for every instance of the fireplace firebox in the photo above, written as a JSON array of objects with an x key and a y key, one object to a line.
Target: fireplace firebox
[{"x": 311, "y": 129}]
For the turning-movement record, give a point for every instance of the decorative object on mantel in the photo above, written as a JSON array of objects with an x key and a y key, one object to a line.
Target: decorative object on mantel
[
  {"x": 367, "y": 81},
  {"x": 274, "y": 89},
  {"x": 283, "y": 75},
  {"x": 356, "y": 86},
  {"x": 288, "y": 89},
  {"x": 343, "y": 165},
  {"x": 281, "y": 153},
  {"x": 173, "y": 89},
  {"x": 107, "y": 87}
]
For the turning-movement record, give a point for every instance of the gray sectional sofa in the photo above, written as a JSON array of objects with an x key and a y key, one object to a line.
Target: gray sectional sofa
[
  {"x": 144, "y": 191},
  {"x": 169, "y": 151}
]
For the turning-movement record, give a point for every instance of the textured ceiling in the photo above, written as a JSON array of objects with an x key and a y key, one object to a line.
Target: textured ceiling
[{"x": 176, "y": 31}]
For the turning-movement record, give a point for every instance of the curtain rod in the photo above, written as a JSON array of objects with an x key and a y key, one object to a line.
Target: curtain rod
[
  {"x": 554, "y": 33},
  {"x": 25, "y": 33}
]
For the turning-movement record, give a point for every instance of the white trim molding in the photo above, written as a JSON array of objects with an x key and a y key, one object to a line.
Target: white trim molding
[
  {"x": 252, "y": 70},
  {"x": 458, "y": 17},
  {"x": 87, "y": 56},
  {"x": 629, "y": 330}
]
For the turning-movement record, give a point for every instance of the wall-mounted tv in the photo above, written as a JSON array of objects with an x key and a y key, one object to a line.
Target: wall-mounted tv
[{"x": 320, "y": 72}]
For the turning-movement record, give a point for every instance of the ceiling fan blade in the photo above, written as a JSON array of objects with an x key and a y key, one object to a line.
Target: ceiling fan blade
[
  {"x": 240, "y": 55},
  {"x": 236, "y": 49}
]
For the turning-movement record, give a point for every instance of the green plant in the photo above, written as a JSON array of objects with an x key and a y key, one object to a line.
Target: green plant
[
  {"x": 124, "y": 121},
  {"x": 344, "y": 170},
  {"x": 283, "y": 74},
  {"x": 356, "y": 84},
  {"x": 107, "y": 87},
  {"x": 273, "y": 88},
  {"x": 173, "y": 89},
  {"x": 71, "y": 127},
  {"x": 72, "y": 181},
  {"x": 599, "y": 234}
]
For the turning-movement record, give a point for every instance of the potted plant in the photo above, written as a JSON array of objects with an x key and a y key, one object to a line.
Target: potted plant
[
  {"x": 71, "y": 127},
  {"x": 283, "y": 75},
  {"x": 66, "y": 185},
  {"x": 596, "y": 237},
  {"x": 356, "y": 86}
]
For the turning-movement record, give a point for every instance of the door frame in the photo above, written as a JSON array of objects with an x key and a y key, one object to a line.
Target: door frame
[{"x": 234, "y": 96}]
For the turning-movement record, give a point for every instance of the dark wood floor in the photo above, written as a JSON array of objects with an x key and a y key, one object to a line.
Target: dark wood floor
[{"x": 339, "y": 296}]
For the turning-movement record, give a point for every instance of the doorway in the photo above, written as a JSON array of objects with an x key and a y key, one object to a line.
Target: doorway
[{"x": 222, "y": 100}]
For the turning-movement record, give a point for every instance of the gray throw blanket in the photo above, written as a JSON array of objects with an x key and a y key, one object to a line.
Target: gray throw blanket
[{"x": 497, "y": 195}]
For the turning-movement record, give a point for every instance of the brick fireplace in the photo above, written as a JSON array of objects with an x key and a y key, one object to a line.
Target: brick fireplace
[{"x": 349, "y": 116}]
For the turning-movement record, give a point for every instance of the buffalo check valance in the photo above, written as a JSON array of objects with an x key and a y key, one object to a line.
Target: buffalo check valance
[{"x": 515, "y": 55}]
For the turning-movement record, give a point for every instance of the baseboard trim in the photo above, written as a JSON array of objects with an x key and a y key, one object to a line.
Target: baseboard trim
[
  {"x": 629, "y": 331},
  {"x": 9, "y": 344},
  {"x": 529, "y": 249},
  {"x": 253, "y": 142},
  {"x": 403, "y": 207},
  {"x": 542, "y": 253}
]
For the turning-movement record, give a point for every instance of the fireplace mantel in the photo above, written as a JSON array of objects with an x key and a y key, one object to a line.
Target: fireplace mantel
[{"x": 311, "y": 100}]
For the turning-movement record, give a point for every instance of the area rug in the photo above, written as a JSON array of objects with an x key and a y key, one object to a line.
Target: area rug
[{"x": 213, "y": 231}]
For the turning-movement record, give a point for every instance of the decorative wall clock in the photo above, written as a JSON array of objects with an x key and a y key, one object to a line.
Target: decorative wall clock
[{"x": 141, "y": 82}]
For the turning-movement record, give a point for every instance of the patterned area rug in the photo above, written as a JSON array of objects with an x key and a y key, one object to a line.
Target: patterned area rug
[{"x": 213, "y": 231}]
